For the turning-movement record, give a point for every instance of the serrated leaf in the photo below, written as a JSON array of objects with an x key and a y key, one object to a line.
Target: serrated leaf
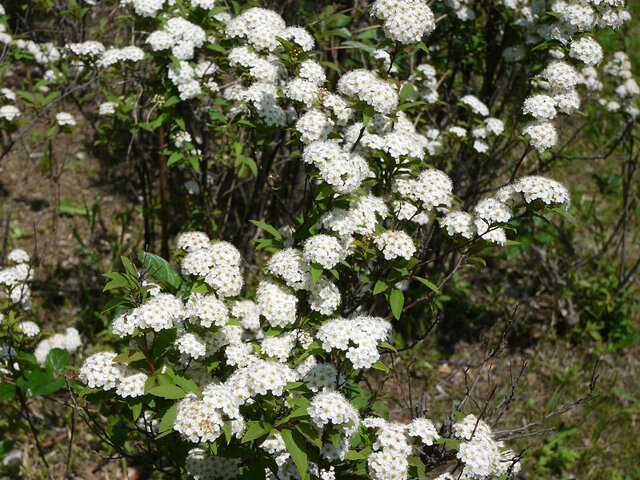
[
  {"x": 255, "y": 430},
  {"x": 294, "y": 441},
  {"x": 7, "y": 391},
  {"x": 161, "y": 270},
  {"x": 172, "y": 392},
  {"x": 432, "y": 286},
  {"x": 57, "y": 360},
  {"x": 316, "y": 272},
  {"x": 396, "y": 302},
  {"x": 168, "y": 419},
  {"x": 267, "y": 228},
  {"x": 379, "y": 287}
]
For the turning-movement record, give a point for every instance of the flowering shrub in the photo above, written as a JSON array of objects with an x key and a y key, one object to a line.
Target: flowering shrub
[{"x": 375, "y": 160}]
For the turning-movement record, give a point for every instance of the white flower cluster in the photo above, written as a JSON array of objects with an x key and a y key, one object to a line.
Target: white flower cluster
[
  {"x": 331, "y": 407},
  {"x": 15, "y": 279},
  {"x": 367, "y": 87},
  {"x": 218, "y": 263},
  {"x": 90, "y": 48},
  {"x": 201, "y": 420},
  {"x": 627, "y": 90},
  {"x": 114, "y": 55},
  {"x": 399, "y": 138},
  {"x": 338, "y": 167},
  {"x": 394, "y": 444},
  {"x": 9, "y": 112},
  {"x": 560, "y": 79},
  {"x": 480, "y": 454},
  {"x": 145, "y": 8},
  {"x": 100, "y": 371},
  {"x": 69, "y": 341},
  {"x": 65, "y": 119},
  {"x": 394, "y": 244},
  {"x": 202, "y": 466},
  {"x": 179, "y": 35},
  {"x": 361, "y": 217},
  {"x": 160, "y": 312},
  {"x": 324, "y": 250},
  {"x": 404, "y": 21},
  {"x": 476, "y": 105},
  {"x": 29, "y": 328},
  {"x": 259, "y": 26},
  {"x": 533, "y": 188},
  {"x": 358, "y": 337}
]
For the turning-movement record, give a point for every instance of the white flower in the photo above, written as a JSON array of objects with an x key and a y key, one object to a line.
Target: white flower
[{"x": 65, "y": 118}]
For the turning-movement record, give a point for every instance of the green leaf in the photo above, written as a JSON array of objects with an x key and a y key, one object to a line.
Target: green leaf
[
  {"x": 406, "y": 91},
  {"x": 316, "y": 272},
  {"x": 136, "y": 410},
  {"x": 294, "y": 441},
  {"x": 160, "y": 269},
  {"x": 67, "y": 207},
  {"x": 7, "y": 391},
  {"x": 429, "y": 284},
  {"x": 168, "y": 419},
  {"x": 129, "y": 267},
  {"x": 256, "y": 430},
  {"x": 164, "y": 341},
  {"x": 381, "y": 366},
  {"x": 167, "y": 391},
  {"x": 367, "y": 114},
  {"x": 267, "y": 228},
  {"x": 396, "y": 301},
  {"x": 46, "y": 388},
  {"x": 57, "y": 360},
  {"x": 380, "y": 286},
  {"x": 186, "y": 384}
]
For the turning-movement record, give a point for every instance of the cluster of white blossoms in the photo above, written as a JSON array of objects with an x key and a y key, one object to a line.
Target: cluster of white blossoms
[
  {"x": 217, "y": 263},
  {"x": 9, "y": 112},
  {"x": 340, "y": 168},
  {"x": 395, "y": 442},
  {"x": 101, "y": 371},
  {"x": 366, "y": 86},
  {"x": 90, "y": 48},
  {"x": 144, "y": 8},
  {"x": 627, "y": 90},
  {"x": 397, "y": 138},
  {"x": 425, "y": 77},
  {"x": 292, "y": 266},
  {"x": 107, "y": 108},
  {"x": 361, "y": 217},
  {"x": 261, "y": 27},
  {"x": 160, "y": 312},
  {"x": 112, "y": 56},
  {"x": 28, "y": 328},
  {"x": 476, "y": 105},
  {"x": 404, "y": 21},
  {"x": 69, "y": 340},
  {"x": 430, "y": 190},
  {"x": 480, "y": 454},
  {"x": 65, "y": 119},
  {"x": 533, "y": 188},
  {"x": 576, "y": 19},
  {"x": 202, "y": 466},
  {"x": 331, "y": 408},
  {"x": 358, "y": 337},
  {"x": 324, "y": 250},
  {"x": 15, "y": 279},
  {"x": 314, "y": 125},
  {"x": 394, "y": 244},
  {"x": 179, "y": 35},
  {"x": 202, "y": 419}
]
